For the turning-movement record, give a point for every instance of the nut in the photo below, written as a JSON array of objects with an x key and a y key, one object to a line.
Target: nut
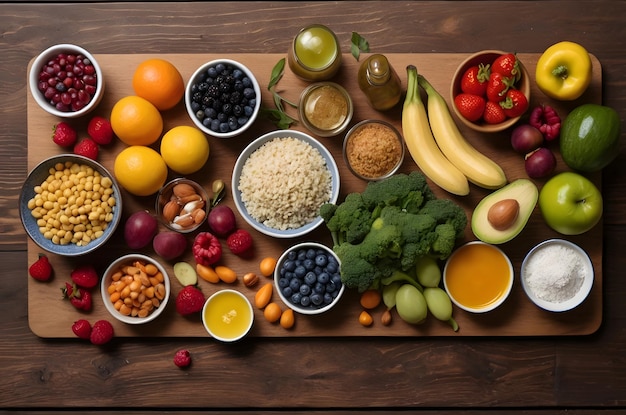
[
  {"x": 171, "y": 210},
  {"x": 184, "y": 221},
  {"x": 250, "y": 279},
  {"x": 182, "y": 190},
  {"x": 385, "y": 319},
  {"x": 198, "y": 215}
]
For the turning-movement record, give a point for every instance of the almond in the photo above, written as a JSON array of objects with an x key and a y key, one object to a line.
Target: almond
[
  {"x": 184, "y": 221},
  {"x": 183, "y": 189},
  {"x": 198, "y": 215},
  {"x": 171, "y": 210},
  {"x": 189, "y": 198}
]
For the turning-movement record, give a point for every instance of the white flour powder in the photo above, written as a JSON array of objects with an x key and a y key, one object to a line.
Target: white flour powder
[{"x": 554, "y": 273}]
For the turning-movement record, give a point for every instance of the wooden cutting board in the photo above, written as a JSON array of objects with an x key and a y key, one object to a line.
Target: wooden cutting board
[{"x": 51, "y": 317}]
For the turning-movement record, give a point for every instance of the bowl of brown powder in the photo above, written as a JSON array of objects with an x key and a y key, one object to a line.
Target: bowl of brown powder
[
  {"x": 373, "y": 150},
  {"x": 557, "y": 275}
]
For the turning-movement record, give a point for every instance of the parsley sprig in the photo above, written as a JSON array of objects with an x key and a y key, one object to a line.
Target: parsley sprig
[{"x": 278, "y": 116}]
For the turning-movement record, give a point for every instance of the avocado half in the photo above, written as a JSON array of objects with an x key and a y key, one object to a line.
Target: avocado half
[{"x": 524, "y": 192}]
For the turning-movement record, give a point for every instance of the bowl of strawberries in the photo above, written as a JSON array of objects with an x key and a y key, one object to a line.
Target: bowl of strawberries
[{"x": 490, "y": 90}]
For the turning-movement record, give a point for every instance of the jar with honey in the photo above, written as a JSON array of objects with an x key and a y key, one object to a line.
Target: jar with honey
[{"x": 314, "y": 54}]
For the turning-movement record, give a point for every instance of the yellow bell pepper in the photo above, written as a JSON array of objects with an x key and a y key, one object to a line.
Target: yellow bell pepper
[{"x": 564, "y": 71}]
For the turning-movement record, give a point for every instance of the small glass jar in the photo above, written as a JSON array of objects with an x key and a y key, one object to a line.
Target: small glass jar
[
  {"x": 380, "y": 82},
  {"x": 314, "y": 54},
  {"x": 325, "y": 108},
  {"x": 181, "y": 205}
]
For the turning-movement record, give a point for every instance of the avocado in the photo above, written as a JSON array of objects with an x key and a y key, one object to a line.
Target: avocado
[
  {"x": 501, "y": 215},
  {"x": 590, "y": 137}
]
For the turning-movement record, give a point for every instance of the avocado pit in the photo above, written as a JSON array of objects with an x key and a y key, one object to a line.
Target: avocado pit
[{"x": 502, "y": 214}]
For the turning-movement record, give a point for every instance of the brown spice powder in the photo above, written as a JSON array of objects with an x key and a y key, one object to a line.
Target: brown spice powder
[
  {"x": 326, "y": 108},
  {"x": 373, "y": 150}
]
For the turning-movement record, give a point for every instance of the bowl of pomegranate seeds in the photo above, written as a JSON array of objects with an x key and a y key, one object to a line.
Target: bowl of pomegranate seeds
[
  {"x": 66, "y": 81},
  {"x": 490, "y": 90}
]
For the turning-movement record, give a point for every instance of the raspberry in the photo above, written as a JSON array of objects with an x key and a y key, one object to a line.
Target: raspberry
[
  {"x": 182, "y": 358},
  {"x": 239, "y": 242}
]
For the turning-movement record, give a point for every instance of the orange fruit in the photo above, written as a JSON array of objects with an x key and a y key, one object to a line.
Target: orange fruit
[
  {"x": 158, "y": 81},
  {"x": 140, "y": 170},
  {"x": 135, "y": 121},
  {"x": 185, "y": 149}
]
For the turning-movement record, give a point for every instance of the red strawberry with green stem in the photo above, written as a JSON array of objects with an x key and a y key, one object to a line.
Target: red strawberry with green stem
[
  {"x": 515, "y": 104},
  {"x": 102, "y": 332},
  {"x": 41, "y": 270},
  {"x": 100, "y": 130},
  {"x": 475, "y": 79},
  {"x": 64, "y": 134},
  {"x": 470, "y": 106},
  {"x": 85, "y": 276},
  {"x": 79, "y": 297},
  {"x": 497, "y": 87},
  {"x": 239, "y": 242},
  {"x": 189, "y": 300},
  {"x": 82, "y": 329},
  {"x": 508, "y": 66}
]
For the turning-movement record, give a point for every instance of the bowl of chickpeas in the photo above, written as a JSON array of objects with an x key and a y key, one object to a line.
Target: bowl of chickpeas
[
  {"x": 135, "y": 289},
  {"x": 70, "y": 205}
]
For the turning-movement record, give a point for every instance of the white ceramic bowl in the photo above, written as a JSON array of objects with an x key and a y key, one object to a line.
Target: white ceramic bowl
[
  {"x": 475, "y": 276},
  {"x": 36, "y": 177},
  {"x": 192, "y": 87},
  {"x": 107, "y": 279},
  {"x": 255, "y": 145},
  {"x": 282, "y": 280},
  {"x": 557, "y": 275},
  {"x": 224, "y": 310},
  {"x": 46, "y": 56}
]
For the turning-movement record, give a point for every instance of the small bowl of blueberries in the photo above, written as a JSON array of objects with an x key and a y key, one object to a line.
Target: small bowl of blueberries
[
  {"x": 308, "y": 279},
  {"x": 223, "y": 98}
]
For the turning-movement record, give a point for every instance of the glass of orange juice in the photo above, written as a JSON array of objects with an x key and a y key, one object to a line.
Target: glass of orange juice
[
  {"x": 227, "y": 315},
  {"x": 314, "y": 54},
  {"x": 478, "y": 277}
]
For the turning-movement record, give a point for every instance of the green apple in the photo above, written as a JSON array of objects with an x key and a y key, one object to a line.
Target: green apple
[{"x": 570, "y": 203}]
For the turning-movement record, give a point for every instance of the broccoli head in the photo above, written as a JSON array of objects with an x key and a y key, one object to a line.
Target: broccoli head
[
  {"x": 407, "y": 191},
  {"x": 445, "y": 239},
  {"x": 448, "y": 212},
  {"x": 349, "y": 221},
  {"x": 356, "y": 271}
]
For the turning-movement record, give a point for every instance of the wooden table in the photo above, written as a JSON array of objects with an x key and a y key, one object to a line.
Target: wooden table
[{"x": 580, "y": 374}]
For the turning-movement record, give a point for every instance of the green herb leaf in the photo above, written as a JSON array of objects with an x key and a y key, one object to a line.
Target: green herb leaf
[
  {"x": 278, "y": 118},
  {"x": 358, "y": 45},
  {"x": 277, "y": 73}
]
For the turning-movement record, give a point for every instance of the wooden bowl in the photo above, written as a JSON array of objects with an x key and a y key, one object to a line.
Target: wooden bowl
[{"x": 486, "y": 57}]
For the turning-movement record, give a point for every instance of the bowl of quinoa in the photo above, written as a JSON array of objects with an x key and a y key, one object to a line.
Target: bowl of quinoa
[
  {"x": 373, "y": 150},
  {"x": 281, "y": 179}
]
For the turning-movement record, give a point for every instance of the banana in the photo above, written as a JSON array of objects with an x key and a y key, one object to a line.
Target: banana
[
  {"x": 421, "y": 143},
  {"x": 478, "y": 168}
]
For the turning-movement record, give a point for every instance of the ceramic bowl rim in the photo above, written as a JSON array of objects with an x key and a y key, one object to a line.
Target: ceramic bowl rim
[
  {"x": 43, "y": 57},
  {"x": 255, "y": 85},
  {"x": 113, "y": 266},
  {"x": 580, "y": 296},
  {"x": 253, "y": 146},
  {"x": 222, "y": 292}
]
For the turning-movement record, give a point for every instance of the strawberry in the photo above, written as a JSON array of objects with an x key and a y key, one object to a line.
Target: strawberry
[
  {"x": 470, "y": 106},
  {"x": 474, "y": 80},
  {"x": 494, "y": 114},
  {"x": 82, "y": 329},
  {"x": 508, "y": 66},
  {"x": 515, "y": 103},
  {"x": 99, "y": 129},
  {"x": 182, "y": 358},
  {"x": 88, "y": 148},
  {"x": 79, "y": 297},
  {"x": 497, "y": 87},
  {"x": 41, "y": 270},
  {"x": 102, "y": 332},
  {"x": 239, "y": 242},
  {"x": 189, "y": 300},
  {"x": 85, "y": 276},
  {"x": 64, "y": 134}
]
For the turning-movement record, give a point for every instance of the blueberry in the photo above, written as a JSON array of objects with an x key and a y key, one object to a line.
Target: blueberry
[
  {"x": 321, "y": 260},
  {"x": 294, "y": 284},
  {"x": 289, "y": 264},
  {"x": 207, "y": 122},
  {"x": 232, "y": 122},
  {"x": 305, "y": 289},
  {"x": 328, "y": 298},
  {"x": 300, "y": 271},
  {"x": 310, "y": 253},
  {"x": 212, "y": 72},
  {"x": 215, "y": 125},
  {"x": 287, "y": 292},
  {"x": 224, "y": 127},
  {"x": 249, "y": 93},
  {"x": 331, "y": 287},
  {"x": 210, "y": 112},
  {"x": 336, "y": 279},
  {"x": 242, "y": 120},
  {"x": 238, "y": 74},
  {"x": 319, "y": 288},
  {"x": 310, "y": 278},
  {"x": 309, "y": 264},
  {"x": 323, "y": 278},
  {"x": 305, "y": 301},
  {"x": 301, "y": 255},
  {"x": 295, "y": 298},
  {"x": 332, "y": 267},
  {"x": 220, "y": 68},
  {"x": 283, "y": 282},
  {"x": 292, "y": 255},
  {"x": 316, "y": 299},
  {"x": 247, "y": 82},
  {"x": 248, "y": 110}
]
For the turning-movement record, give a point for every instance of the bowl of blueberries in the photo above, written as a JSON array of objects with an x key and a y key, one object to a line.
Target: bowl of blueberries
[
  {"x": 223, "y": 98},
  {"x": 307, "y": 278}
]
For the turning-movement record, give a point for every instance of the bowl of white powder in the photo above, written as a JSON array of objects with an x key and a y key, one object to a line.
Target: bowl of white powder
[
  {"x": 281, "y": 179},
  {"x": 557, "y": 275}
]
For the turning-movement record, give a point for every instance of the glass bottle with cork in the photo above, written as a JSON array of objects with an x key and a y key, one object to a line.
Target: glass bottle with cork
[{"x": 380, "y": 82}]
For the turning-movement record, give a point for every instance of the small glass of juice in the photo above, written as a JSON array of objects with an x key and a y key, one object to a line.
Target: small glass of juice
[
  {"x": 314, "y": 54},
  {"x": 227, "y": 315}
]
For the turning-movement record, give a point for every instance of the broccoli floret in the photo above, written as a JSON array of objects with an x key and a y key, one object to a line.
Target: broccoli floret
[
  {"x": 356, "y": 271},
  {"x": 348, "y": 222},
  {"x": 407, "y": 191},
  {"x": 442, "y": 246},
  {"x": 448, "y": 212}
]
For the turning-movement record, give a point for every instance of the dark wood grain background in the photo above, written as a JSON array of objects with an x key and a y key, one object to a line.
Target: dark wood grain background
[{"x": 579, "y": 375}]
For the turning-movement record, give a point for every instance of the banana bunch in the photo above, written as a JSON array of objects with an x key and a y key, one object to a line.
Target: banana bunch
[{"x": 438, "y": 147}]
